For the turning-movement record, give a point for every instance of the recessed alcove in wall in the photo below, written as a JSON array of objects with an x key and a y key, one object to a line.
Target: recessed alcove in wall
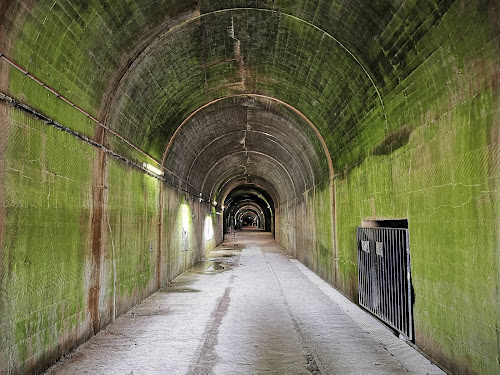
[{"x": 385, "y": 223}]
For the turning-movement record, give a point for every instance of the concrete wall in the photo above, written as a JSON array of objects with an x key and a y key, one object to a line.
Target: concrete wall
[
  {"x": 431, "y": 156},
  {"x": 84, "y": 238},
  {"x": 304, "y": 228}
]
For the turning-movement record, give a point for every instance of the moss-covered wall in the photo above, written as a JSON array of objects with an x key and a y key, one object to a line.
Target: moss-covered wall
[
  {"x": 84, "y": 238},
  {"x": 48, "y": 206},
  {"x": 436, "y": 163},
  {"x": 432, "y": 157}
]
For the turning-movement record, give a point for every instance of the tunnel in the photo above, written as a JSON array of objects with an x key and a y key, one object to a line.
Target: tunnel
[{"x": 137, "y": 136}]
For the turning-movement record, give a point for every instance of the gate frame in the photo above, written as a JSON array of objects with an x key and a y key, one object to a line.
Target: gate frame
[{"x": 373, "y": 292}]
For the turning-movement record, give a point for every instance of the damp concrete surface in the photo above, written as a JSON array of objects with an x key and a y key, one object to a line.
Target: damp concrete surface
[{"x": 246, "y": 308}]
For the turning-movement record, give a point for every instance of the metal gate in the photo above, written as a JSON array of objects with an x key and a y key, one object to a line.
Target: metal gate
[{"x": 384, "y": 278}]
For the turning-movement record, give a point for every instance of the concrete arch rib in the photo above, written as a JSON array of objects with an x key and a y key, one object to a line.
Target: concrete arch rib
[
  {"x": 236, "y": 176},
  {"x": 272, "y": 139},
  {"x": 296, "y": 111},
  {"x": 274, "y": 161},
  {"x": 226, "y": 187},
  {"x": 249, "y": 206}
]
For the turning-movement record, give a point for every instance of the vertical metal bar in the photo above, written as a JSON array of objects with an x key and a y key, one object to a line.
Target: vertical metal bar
[
  {"x": 366, "y": 273},
  {"x": 403, "y": 280},
  {"x": 400, "y": 303},
  {"x": 402, "y": 277},
  {"x": 381, "y": 261},
  {"x": 369, "y": 274},
  {"x": 402, "y": 274},
  {"x": 391, "y": 265},
  {"x": 360, "y": 284},
  {"x": 387, "y": 253},
  {"x": 375, "y": 272},
  {"x": 379, "y": 274},
  {"x": 383, "y": 281},
  {"x": 394, "y": 280},
  {"x": 395, "y": 276},
  {"x": 400, "y": 281},
  {"x": 363, "y": 257},
  {"x": 408, "y": 270},
  {"x": 369, "y": 277},
  {"x": 387, "y": 275}
]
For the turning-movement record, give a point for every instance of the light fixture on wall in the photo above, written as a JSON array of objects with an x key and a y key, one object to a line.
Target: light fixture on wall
[
  {"x": 200, "y": 199},
  {"x": 214, "y": 203},
  {"x": 152, "y": 169}
]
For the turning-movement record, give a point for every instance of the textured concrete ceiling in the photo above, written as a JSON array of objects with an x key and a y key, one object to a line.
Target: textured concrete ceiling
[{"x": 247, "y": 137}]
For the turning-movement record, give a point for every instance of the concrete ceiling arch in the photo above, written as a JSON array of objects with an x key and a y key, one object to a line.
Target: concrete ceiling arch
[{"x": 230, "y": 134}]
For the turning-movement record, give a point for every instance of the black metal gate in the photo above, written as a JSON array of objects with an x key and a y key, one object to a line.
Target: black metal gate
[{"x": 384, "y": 278}]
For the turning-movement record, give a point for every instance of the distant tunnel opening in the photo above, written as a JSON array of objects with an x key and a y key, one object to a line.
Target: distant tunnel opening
[{"x": 248, "y": 206}]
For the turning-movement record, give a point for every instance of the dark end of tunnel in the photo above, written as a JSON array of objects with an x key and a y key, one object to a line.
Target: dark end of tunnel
[{"x": 248, "y": 206}]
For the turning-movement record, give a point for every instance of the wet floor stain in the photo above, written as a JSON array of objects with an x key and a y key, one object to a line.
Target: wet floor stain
[
  {"x": 181, "y": 290},
  {"x": 151, "y": 312}
]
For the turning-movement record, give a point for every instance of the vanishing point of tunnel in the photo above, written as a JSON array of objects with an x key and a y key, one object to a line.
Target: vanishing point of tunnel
[{"x": 250, "y": 186}]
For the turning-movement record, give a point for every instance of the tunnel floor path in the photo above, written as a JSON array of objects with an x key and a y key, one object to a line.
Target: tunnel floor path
[{"x": 247, "y": 308}]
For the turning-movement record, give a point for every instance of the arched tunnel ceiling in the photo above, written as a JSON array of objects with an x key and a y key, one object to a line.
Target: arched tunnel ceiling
[
  {"x": 145, "y": 66},
  {"x": 247, "y": 136},
  {"x": 256, "y": 184},
  {"x": 249, "y": 193},
  {"x": 240, "y": 51}
]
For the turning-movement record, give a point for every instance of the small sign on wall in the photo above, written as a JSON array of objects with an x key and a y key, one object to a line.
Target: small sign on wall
[
  {"x": 365, "y": 246},
  {"x": 184, "y": 240}
]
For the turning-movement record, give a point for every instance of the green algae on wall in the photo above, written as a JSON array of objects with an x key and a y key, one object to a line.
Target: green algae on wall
[
  {"x": 59, "y": 39},
  {"x": 133, "y": 212},
  {"x": 323, "y": 224},
  {"x": 49, "y": 185},
  {"x": 441, "y": 179},
  {"x": 47, "y": 197},
  {"x": 430, "y": 154}
]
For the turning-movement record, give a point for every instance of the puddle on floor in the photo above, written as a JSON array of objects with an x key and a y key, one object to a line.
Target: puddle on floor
[
  {"x": 212, "y": 265},
  {"x": 218, "y": 260}
]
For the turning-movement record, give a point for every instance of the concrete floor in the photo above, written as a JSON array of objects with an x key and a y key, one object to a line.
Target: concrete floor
[{"x": 250, "y": 309}]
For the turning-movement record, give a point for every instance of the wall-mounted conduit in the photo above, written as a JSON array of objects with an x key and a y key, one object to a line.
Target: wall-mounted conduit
[
  {"x": 95, "y": 120},
  {"x": 49, "y": 121}
]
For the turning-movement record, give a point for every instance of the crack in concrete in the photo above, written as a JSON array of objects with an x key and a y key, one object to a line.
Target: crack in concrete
[
  {"x": 314, "y": 363},
  {"x": 207, "y": 358}
]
